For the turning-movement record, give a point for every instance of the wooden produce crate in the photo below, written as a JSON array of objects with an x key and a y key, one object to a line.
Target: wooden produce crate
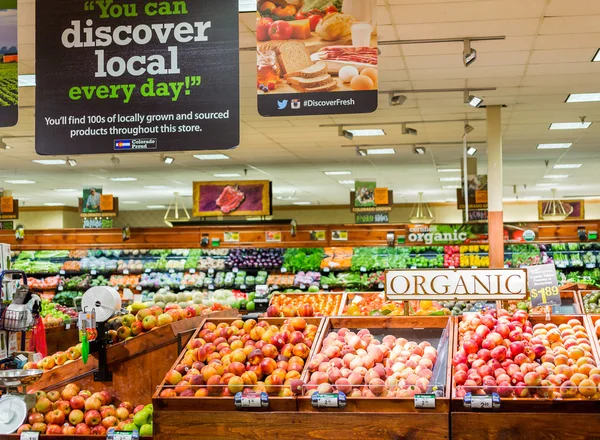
[
  {"x": 389, "y": 308},
  {"x": 582, "y": 294},
  {"x": 529, "y": 418},
  {"x": 593, "y": 324},
  {"x": 225, "y": 403},
  {"x": 438, "y": 331},
  {"x": 571, "y": 305},
  {"x": 297, "y": 299}
]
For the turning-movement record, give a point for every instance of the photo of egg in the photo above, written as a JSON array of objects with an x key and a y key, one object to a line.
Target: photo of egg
[{"x": 347, "y": 73}]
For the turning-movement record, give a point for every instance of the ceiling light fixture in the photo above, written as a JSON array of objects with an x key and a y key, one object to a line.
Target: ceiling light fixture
[
  {"x": 554, "y": 210},
  {"x": 129, "y": 202},
  {"x": 367, "y": 132},
  {"x": 115, "y": 160},
  {"x": 471, "y": 151},
  {"x": 408, "y": 130},
  {"x": 3, "y": 145},
  {"x": 421, "y": 213},
  {"x": 176, "y": 218},
  {"x": 50, "y": 161},
  {"x": 554, "y": 146},
  {"x": 290, "y": 198},
  {"x": 123, "y": 179},
  {"x": 469, "y": 54},
  {"x": 337, "y": 173},
  {"x": 65, "y": 190},
  {"x": 451, "y": 187},
  {"x": 449, "y": 170},
  {"x": 211, "y": 156},
  {"x": 54, "y": 204},
  {"x": 347, "y": 182},
  {"x": 380, "y": 151},
  {"x": 473, "y": 101},
  {"x": 546, "y": 184},
  {"x": 556, "y": 176},
  {"x": 302, "y": 203},
  {"x": 168, "y": 160},
  {"x": 583, "y": 97},
  {"x": 360, "y": 152},
  {"x": 20, "y": 182},
  {"x": 450, "y": 179},
  {"x": 567, "y": 166},
  {"x": 396, "y": 100},
  {"x": 156, "y": 187},
  {"x": 71, "y": 162},
  {"x": 420, "y": 150},
  {"x": 583, "y": 125},
  {"x": 468, "y": 128},
  {"x": 596, "y": 57},
  {"x": 155, "y": 206},
  {"x": 227, "y": 175}
]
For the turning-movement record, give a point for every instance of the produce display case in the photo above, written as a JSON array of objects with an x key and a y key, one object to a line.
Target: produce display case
[
  {"x": 217, "y": 397},
  {"x": 522, "y": 410},
  {"x": 427, "y": 338}
]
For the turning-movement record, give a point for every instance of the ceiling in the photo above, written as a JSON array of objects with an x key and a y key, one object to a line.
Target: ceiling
[{"x": 546, "y": 56}]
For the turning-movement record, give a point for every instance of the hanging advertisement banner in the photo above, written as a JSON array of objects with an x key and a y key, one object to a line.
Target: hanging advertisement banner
[
  {"x": 244, "y": 198},
  {"x": 9, "y": 64},
  {"x": 136, "y": 76},
  {"x": 316, "y": 57},
  {"x": 95, "y": 205},
  {"x": 477, "y": 193},
  {"x": 9, "y": 209}
]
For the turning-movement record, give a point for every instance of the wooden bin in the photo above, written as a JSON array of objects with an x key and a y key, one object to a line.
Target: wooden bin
[
  {"x": 213, "y": 403},
  {"x": 529, "y": 418},
  {"x": 571, "y": 304}
]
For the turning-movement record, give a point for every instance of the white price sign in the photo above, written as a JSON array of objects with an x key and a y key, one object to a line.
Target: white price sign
[
  {"x": 424, "y": 400},
  {"x": 30, "y": 435}
]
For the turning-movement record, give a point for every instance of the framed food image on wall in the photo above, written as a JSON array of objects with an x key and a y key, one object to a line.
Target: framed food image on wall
[
  {"x": 316, "y": 57},
  {"x": 575, "y": 209},
  {"x": 227, "y": 198}
]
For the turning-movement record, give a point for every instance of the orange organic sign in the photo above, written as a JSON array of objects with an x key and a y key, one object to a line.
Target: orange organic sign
[
  {"x": 6, "y": 205},
  {"x": 381, "y": 196}
]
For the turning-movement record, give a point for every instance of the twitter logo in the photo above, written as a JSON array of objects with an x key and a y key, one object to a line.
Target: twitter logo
[{"x": 281, "y": 105}]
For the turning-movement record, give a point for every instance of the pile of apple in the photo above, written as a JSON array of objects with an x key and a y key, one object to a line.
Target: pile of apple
[
  {"x": 56, "y": 360},
  {"x": 359, "y": 365},
  {"x": 74, "y": 411},
  {"x": 146, "y": 319},
  {"x": 238, "y": 356},
  {"x": 504, "y": 353}
]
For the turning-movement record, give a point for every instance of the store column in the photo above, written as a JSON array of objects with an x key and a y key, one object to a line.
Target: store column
[{"x": 495, "y": 186}]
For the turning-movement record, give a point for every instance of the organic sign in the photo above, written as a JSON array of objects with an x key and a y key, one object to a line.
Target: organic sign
[
  {"x": 136, "y": 75},
  {"x": 243, "y": 198},
  {"x": 447, "y": 234},
  {"x": 316, "y": 57},
  {"x": 9, "y": 64},
  {"x": 543, "y": 285},
  {"x": 460, "y": 284}
]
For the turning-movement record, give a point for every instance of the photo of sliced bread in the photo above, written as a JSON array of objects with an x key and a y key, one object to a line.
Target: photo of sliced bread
[
  {"x": 309, "y": 83},
  {"x": 325, "y": 88},
  {"x": 292, "y": 55},
  {"x": 313, "y": 71}
]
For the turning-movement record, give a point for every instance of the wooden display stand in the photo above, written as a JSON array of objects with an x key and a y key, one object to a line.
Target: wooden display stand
[
  {"x": 529, "y": 418},
  {"x": 57, "y": 338},
  {"x": 364, "y": 418}
]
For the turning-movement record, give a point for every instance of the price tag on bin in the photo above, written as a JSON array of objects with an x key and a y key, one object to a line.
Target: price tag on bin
[
  {"x": 328, "y": 400},
  {"x": 424, "y": 400},
  {"x": 543, "y": 285},
  {"x": 251, "y": 400}
]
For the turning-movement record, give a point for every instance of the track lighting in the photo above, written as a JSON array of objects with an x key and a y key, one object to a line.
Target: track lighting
[
  {"x": 471, "y": 151},
  {"x": 468, "y": 128},
  {"x": 408, "y": 130},
  {"x": 469, "y": 54},
  {"x": 420, "y": 150},
  {"x": 115, "y": 160},
  {"x": 71, "y": 162},
  {"x": 168, "y": 160},
  {"x": 396, "y": 100},
  {"x": 360, "y": 152}
]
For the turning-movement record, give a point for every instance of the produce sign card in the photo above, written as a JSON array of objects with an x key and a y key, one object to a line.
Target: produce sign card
[
  {"x": 543, "y": 285},
  {"x": 136, "y": 75},
  {"x": 244, "y": 198},
  {"x": 459, "y": 284},
  {"x": 9, "y": 65},
  {"x": 316, "y": 57}
]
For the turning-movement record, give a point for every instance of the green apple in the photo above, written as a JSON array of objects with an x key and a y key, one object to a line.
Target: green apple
[
  {"x": 146, "y": 430},
  {"x": 128, "y": 320}
]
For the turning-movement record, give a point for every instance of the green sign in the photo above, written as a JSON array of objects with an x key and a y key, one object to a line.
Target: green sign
[
  {"x": 447, "y": 234},
  {"x": 372, "y": 217},
  {"x": 543, "y": 285}
]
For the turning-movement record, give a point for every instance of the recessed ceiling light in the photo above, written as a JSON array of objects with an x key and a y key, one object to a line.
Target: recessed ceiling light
[
  {"x": 54, "y": 204},
  {"x": 337, "y": 173},
  {"x": 129, "y": 202},
  {"x": 20, "y": 182},
  {"x": 567, "y": 166},
  {"x": 451, "y": 186},
  {"x": 570, "y": 125},
  {"x": 584, "y": 97},
  {"x": 449, "y": 170},
  {"x": 227, "y": 175},
  {"x": 554, "y": 146},
  {"x": 50, "y": 161},
  {"x": 156, "y": 206},
  {"x": 368, "y": 132},
  {"x": 556, "y": 176},
  {"x": 381, "y": 151},
  {"x": 347, "y": 182},
  {"x": 449, "y": 179},
  {"x": 66, "y": 190},
  {"x": 302, "y": 203},
  {"x": 211, "y": 156},
  {"x": 156, "y": 187},
  {"x": 123, "y": 179}
]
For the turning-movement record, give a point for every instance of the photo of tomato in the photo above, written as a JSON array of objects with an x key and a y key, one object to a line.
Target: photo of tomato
[
  {"x": 314, "y": 20},
  {"x": 280, "y": 30},
  {"x": 330, "y": 9}
]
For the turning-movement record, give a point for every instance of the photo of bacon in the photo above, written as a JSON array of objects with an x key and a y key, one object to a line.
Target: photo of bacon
[
  {"x": 230, "y": 199},
  {"x": 366, "y": 55}
]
